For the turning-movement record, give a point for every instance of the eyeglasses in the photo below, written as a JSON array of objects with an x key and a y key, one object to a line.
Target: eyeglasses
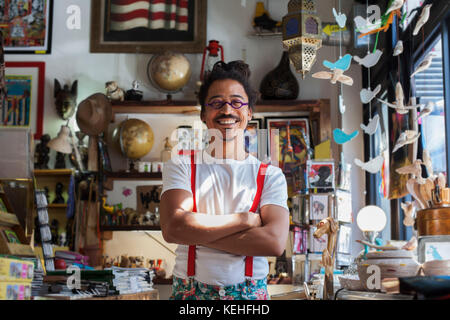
[{"x": 218, "y": 104}]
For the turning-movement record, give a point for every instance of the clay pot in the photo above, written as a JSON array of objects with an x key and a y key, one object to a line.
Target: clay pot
[
  {"x": 280, "y": 83},
  {"x": 392, "y": 264}
]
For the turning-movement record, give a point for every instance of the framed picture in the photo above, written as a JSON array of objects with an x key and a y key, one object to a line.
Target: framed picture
[
  {"x": 320, "y": 174},
  {"x": 344, "y": 206},
  {"x": 26, "y": 26},
  {"x": 148, "y": 26},
  {"x": 300, "y": 240},
  {"x": 147, "y": 198},
  {"x": 344, "y": 239},
  {"x": 299, "y": 179},
  {"x": 300, "y": 209},
  {"x": 433, "y": 248},
  {"x": 24, "y": 105},
  {"x": 319, "y": 206},
  {"x": 251, "y": 136},
  {"x": 288, "y": 141}
]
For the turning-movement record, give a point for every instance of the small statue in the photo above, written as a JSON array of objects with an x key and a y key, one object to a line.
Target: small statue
[
  {"x": 134, "y": 94},
  {"x": 113, "y": 92},
  {"x": 66, "y": 99},
  {"x": 58, "y": 194},
  {"x": 54, "y": 231},
  {"x": 46, "y": 192},
  {"x": 60, "y": 161},
  {"x": 41, "y": 153}
]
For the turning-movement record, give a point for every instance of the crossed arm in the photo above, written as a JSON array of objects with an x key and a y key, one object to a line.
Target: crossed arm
[{"x": 243, "y": 233}]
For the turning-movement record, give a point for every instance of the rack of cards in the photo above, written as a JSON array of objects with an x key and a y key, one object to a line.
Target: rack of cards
[{"x": 46, "y": 235}]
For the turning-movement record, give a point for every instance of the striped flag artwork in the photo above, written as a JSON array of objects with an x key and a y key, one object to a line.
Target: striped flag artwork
[{"x": 150, "y": 14}]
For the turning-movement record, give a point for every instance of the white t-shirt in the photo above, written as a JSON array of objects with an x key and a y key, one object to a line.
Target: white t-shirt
[{"x": 223, "y": 186}]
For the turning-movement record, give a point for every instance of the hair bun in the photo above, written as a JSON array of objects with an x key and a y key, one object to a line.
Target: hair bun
[{"x": 236, "y": 66}]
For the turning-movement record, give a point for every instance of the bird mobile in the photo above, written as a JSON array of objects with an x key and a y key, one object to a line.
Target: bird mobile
[
  {"x": 367, "y": 95},
  {"x": 398, "y": 50},
  {"x": 414, "y": 169},
  {"x": 370, "y": 59},
  {"x": 399, "y": 105},
  {"x": 340, "y": 137},
  {"x": 337, "y": 68},
  {"x": 429, "y": 107},
  {"x": 364, "y": 26},
  {"x": 372, "y": 126},
  {"x": 340, "y": 18},
  {"x": 372, "y": 166},
  {"x": 405, "y": 138},
  {"x": 423, "y": 18},
  {"x": 425, "y": 64}
]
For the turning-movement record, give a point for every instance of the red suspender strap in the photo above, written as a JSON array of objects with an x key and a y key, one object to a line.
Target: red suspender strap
[
  {"x": 191, "y": 253},
  {"x": 256, "y": 200}
]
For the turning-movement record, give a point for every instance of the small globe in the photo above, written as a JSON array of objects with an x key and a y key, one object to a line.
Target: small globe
[
  {"x": 169, "y": 72},
  {"x": 136, "y": 138}
]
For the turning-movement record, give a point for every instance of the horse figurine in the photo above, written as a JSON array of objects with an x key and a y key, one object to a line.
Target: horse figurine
[
  {"x": 330, "y": 227},
  {"x": 66, "y": 99}
]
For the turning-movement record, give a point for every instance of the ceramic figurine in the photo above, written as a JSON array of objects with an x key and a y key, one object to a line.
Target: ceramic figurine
[
  {"x": 134, "y": 94},
  {"x": 60, "y": 161},
  {"x": 58, "y": 194},
  {"x": 41, "y": 153},
  {"x": 65, "y": 99},
  {"x": 399, "y": 104},
  {"x": 425, "y": 64},
  {"x": 113, "y": 92},
  {"x": 423, "y": 18}
]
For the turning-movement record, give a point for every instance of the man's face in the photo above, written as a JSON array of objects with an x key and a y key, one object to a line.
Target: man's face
[{"x": 226, "y": 119}]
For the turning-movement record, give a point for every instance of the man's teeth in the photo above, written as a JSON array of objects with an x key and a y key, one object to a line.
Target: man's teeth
[{"x": 227, "y": 121}]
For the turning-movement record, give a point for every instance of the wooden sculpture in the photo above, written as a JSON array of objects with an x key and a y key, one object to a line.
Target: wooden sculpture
[{"x": 330, "y": 227}]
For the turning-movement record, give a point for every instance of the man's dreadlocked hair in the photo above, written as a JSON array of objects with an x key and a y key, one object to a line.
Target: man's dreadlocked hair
[{"x": 235, "y": 70}]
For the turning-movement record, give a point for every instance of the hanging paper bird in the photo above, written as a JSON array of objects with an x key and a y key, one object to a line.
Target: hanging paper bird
[
  {"x": 370, "y": 59},
  {"x": 425, "y": 64},
  {"x": 423, "y": 18},
  {"x": 372, "y": 166},
  {"x": 395, "y": 5},
  {"x": 364, "y": 26},
  {"x": 399, "y": 105},
  {"x": 338, "y": 69},
  {"x": 340, "y": 137},
  {"x": 406, "y": 137},
  {"x": 336, "y": 75},
  {"x": 343, "y": 63},
  {"x": 398, "y": 48},
  {"x": 340, "y": 18},
  {"x": 367, "y": 95},
  {"x": 372, "y": 126},
  {"x": 426, "y": 110}
]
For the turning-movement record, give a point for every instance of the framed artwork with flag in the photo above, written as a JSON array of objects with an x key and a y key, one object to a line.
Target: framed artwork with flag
[{"x": 148, "y": 26}]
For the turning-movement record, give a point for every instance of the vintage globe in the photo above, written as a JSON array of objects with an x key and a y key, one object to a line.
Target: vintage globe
[
  {"x": 136, "y": 138},
  {"x": 169, "y": 72}
]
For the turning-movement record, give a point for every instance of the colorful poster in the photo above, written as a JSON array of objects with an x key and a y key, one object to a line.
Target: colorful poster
[{"x": 16, "y": 111}]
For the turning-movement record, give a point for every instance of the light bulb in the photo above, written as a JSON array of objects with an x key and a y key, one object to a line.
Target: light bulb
[{"x": 371, "y": 218}]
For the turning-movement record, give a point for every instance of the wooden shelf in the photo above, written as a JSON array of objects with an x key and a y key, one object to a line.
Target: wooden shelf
[
  {"x": 53, "y": 172},
  {"x": 57, "y": 205},
  {"x": 134, "y": 175},
  {"x": 130, "y": 228}
]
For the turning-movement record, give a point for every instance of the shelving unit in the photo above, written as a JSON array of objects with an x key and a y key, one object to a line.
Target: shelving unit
[
  {"x": 134, "y": 175},
  {"x": 130, "y": 228},
  {"x": 49, "y": 178}
]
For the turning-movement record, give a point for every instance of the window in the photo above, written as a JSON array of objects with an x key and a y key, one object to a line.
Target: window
[{"x": 429, "y": 86}]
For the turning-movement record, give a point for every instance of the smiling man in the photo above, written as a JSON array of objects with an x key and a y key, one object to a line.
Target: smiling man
[{"x": 225, "y": 209}]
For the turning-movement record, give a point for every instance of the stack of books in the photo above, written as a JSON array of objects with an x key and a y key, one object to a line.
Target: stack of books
[
  {"x": 132, "y": 280},
  {"x": 16, "y": 276}
]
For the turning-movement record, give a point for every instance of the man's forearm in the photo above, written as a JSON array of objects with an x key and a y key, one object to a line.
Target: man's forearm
[
  {"x": 260, "y": 241},
  {"x": 197, "y": 228}
]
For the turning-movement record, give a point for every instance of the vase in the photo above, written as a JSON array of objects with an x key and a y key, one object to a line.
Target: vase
[{"x": 280, "y": 83}]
